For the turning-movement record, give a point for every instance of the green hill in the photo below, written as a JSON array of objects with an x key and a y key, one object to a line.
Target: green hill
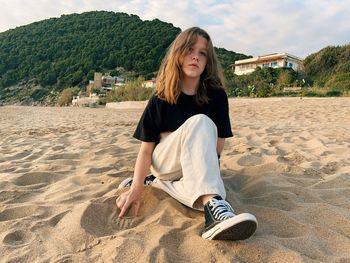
[
  {"x": 45, "y": 57},
  {"x": 330, "y": 67}
]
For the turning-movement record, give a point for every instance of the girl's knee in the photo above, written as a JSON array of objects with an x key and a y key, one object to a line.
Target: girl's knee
[
  {"x": 201, "y": 119},
  {"x": 201, "y": 123}
]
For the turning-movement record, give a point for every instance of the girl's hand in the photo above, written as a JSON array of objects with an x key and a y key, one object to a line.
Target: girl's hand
[{"x": 132, "y": 197}]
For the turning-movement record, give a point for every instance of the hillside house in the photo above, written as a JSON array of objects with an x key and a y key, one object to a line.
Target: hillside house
[
  {"x": 149, "y": 83},
  {"x": 275, "y": 60},
  {"x": 109, "y": 81},
  {"x": 105, "y": 83}
]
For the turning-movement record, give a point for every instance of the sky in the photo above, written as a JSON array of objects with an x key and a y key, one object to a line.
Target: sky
[{"x": 251, "y": 27}]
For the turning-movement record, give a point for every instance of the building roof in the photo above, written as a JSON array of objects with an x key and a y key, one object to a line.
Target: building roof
[{"x": 265, "y": 58}]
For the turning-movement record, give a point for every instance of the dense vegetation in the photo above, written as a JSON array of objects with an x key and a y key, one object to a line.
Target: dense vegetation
[
  {"x": 326, "y": 73},
  {"x": 330, "y": 67},
  {"x": 264, "y": 82},
  {"x": 64, "y": 52},
  {"x": 43, "y": 58}
]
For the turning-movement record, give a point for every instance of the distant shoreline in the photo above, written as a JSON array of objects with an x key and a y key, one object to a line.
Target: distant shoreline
[{"x": 142, "y": 104}]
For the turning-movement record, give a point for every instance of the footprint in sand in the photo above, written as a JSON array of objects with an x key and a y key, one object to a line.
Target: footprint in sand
[
  {"x": 330, "y": 168},
  {"x": 58, "y": 148},
  {"x": 99, "y": 170},
  {"x": 70, "y": 156},
  {"x": 249, "y": 160},
  {"x": 34, "y": 178},
  {"x": 20, "y": 212},
  {"x": 15, "y": 196},
  {"x": 19, "y": 156},
  {"x": 16, "y": 238}
]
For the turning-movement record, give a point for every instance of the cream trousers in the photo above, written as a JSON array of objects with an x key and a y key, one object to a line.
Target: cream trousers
[{"x": 185, "y": 162}]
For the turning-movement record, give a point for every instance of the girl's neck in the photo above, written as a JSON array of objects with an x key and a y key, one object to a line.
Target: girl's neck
[{"x": 190, "y": 86}]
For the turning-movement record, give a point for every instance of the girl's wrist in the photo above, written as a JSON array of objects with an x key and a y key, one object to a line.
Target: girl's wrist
[
  {"x": 136, "y": 187},
  {"x": 137, "y": 184}
]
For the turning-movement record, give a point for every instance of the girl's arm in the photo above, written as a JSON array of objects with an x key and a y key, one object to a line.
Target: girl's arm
[
  {"x": 132, "y": 197},
  {"x": 220, "y": 145},
  {"x": 143, "y": 163}
]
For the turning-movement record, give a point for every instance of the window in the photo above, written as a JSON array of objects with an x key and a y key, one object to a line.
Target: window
[
  {"x": 265, "y": 65},
  {"x": 290, "y": 65},
  {"x": 274, "y": 64}
]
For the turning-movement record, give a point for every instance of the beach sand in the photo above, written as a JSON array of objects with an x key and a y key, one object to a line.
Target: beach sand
[{"x": 288, "y": 164}]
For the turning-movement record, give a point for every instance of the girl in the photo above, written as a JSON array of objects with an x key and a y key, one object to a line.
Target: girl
[{"x": 183, "y": 131}]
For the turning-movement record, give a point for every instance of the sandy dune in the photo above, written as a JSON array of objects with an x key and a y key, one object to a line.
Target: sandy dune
[{"x": 289, "y": 164}]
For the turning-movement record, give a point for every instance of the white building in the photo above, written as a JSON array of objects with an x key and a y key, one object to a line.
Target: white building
[
  {"x": 84, "y": 101},
  {"x": 149, "y": 83},
  {"x": 110, "y": 81},
  {"x": 276, "y": 60}
]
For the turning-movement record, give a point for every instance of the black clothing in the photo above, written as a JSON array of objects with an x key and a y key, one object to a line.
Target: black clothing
[{"x": 160, "y": 116}]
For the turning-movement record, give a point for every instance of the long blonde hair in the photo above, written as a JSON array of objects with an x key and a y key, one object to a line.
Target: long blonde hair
[{"x": 168, "y": 81}]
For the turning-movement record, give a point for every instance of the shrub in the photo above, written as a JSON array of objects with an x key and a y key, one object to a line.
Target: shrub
[
  {"x": 102, "y": 101},
  {"x": 132, "y": 91},
  {"x": 334, "y": 93},
  {"x": 322, "y": 92},
  {"x": 66, "y": 96},
  {"x": 311, "y": 94},
  {"x": 285, "y": 78},
  {"x": 340, "y": 81},
  {"x": 263, "y": 90}
]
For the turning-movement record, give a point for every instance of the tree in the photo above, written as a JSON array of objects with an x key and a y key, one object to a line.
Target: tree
[
  {"x": 66, "y": 96},
  {"x": 285, "y": 78}
]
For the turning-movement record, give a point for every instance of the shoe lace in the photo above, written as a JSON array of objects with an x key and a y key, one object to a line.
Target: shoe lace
[
  {"x": 221, "y": 209},
  {"x": 149, "y": 180}
]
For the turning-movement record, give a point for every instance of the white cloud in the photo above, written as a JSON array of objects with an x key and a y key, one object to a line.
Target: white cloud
[{"x": 252, "y": 27}]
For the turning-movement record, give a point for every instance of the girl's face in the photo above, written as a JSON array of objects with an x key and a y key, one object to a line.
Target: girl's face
[{"x": 195, "y": 60}]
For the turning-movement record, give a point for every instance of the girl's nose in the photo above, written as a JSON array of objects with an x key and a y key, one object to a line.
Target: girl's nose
[{"x": 195, "y": 57}]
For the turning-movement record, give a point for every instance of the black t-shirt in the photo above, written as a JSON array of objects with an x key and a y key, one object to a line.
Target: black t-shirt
[{"x": 160, "y": 116}]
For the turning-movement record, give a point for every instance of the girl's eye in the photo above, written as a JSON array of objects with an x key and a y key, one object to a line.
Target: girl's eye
[{"x": 203, "y": 53}]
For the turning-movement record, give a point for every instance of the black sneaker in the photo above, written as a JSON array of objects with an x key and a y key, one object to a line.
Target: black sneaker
[
  {"x": 128, "y": 181},
  {"x": 221, "y": 222}
]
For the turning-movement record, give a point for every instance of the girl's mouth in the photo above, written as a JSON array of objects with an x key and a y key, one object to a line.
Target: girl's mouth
[{"x": 194, "y": 65}]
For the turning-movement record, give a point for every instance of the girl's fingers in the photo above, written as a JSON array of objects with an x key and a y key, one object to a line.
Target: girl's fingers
[
  {"x": 124, "y": 209},
  {"x": 120, "y": 202},
  {"x": 125, "y": 201}
]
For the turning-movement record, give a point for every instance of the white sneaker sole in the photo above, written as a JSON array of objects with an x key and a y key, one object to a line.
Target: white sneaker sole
[
  {"x": 239, "y": 227},
  {"x": 124, "y": 182}
]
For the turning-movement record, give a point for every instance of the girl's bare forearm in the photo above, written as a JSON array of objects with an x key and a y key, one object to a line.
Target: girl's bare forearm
[{"x": 143, "y": 164}]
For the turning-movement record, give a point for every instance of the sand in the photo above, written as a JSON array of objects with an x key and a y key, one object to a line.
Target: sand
[{"x": 289, "y": 164}]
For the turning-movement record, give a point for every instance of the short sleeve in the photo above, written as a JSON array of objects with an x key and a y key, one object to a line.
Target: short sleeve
[
  {"x": 222, "y": 118},
  {"x": 147, "y": 129}
]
